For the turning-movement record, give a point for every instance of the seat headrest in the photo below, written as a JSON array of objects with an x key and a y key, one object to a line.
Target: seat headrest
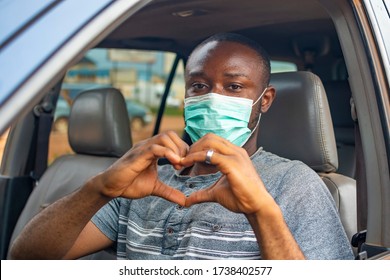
[
  {"x": 339, "y": 98},
  {"x": 99, "y": 123},
  {"x": 298, "y": 125}
]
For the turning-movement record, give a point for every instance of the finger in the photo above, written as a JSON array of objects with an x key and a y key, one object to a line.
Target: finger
[
  {"x": 227, "y": 164},
  {"x": 177, "y": 166},
  {"x": 165, "y": 140},
  {"x": 164, "y": 191},
  {"x": 205, "y": 195},
  {"x": 156, "y": 151},
  {"x": 144, "y": 158},
  {"x": 182, "y": 146},
  {"x": 194, "y": 157},
  {"x": 171, "y": 140},
  {"x": 213, "y": 142}
]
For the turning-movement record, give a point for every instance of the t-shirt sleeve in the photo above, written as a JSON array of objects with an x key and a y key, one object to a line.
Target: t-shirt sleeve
[
  {"x": 311, "y": 215},
  {"x": 107, "y": 219}
]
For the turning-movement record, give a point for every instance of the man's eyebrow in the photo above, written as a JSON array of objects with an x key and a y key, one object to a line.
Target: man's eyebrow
[
  {"x": 234, "y": 75},
  {"x": 230, "y": 75},
  {"x": 196, "y": 74}
]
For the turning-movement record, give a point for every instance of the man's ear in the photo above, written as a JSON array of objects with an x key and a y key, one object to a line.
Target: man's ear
[{"x": 268, "y": 98}]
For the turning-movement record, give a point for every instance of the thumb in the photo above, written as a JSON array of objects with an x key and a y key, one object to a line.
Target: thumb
[
  {"x": 205, "y": 195},
  {"x": 169, "y": 193}
]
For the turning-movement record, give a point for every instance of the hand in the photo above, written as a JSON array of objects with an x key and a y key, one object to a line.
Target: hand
[
  {"x": 135, "y": 174},
  {"x": 240, "y": 189}
]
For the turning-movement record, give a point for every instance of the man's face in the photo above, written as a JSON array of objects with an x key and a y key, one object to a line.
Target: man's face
[{"x": 227, "y": 68}]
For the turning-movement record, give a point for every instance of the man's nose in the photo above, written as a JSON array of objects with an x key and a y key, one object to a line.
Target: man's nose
[{"x": 217, "y": 89}]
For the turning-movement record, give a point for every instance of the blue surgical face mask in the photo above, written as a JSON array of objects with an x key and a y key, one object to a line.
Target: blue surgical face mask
[{"x": 225, "y": 116}]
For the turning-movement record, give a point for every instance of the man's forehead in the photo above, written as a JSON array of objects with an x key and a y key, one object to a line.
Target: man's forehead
[
  {"x": 222, "y": 52},
  {"x": 226, "y": 48}
]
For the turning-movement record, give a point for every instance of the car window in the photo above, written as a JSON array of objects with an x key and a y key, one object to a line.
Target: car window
[
  {"x": 282, "y": 66},
  {"x": 173, "y": 114},
  {"x": 140, "y": 76}
]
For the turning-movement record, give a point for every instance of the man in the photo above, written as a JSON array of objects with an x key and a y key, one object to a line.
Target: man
[{"x": 221, "y": 197}]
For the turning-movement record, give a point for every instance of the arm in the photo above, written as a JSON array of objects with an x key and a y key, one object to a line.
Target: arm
[
  {"x": 51, "y": 233},
  {"x": 241, "y": 190},
  {"x": 63, "y": 230},
  {"x": 273, "y": 235}
]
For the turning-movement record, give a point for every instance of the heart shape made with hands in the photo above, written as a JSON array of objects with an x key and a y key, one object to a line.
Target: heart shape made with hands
[
  {"x": 167, "y": 192},
  {"x": 135, "y": 175},
  {"x": 237, "y": 199},
  {"x": 239, "y": 189}
]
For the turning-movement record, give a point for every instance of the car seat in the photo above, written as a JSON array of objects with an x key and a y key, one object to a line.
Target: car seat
[
  {"x": 298, "y": 126},
  {"x": 98, "y": 133},
  {"x": 339, "y": 96}
]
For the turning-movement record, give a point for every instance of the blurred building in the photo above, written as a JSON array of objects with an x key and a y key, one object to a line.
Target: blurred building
[{"x": 140, "y": 75}]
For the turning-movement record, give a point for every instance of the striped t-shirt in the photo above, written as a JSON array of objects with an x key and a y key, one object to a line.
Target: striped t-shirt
[{"x": 153, "y": 228}]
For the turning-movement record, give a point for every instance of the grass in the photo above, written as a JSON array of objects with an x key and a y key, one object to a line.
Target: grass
[{"x": 169, "y": 111}]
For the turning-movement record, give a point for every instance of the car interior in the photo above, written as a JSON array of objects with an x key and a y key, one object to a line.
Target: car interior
[
  {"x": 312, "y": 118},
  {"x": 309, "y": 123},
  {"x": 98, "y": 137}
]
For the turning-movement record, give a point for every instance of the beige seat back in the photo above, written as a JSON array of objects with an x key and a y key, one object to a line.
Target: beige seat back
[
  {"x": 298, "y": 126},
  {"x": 99, "y": 133}
]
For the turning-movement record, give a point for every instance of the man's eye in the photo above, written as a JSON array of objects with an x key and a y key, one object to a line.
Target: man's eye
[
  {"x": 235, "y": 87},
  {"x": 199, "y": 86}
]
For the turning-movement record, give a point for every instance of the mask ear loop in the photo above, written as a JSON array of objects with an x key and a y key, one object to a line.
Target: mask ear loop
[
  {"x": 261, "y": 95},
  {"x": 258, "y": 120}
]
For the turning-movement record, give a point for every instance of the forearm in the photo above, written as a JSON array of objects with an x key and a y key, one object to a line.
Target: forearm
[
  {"x": 52, "y": 232},
  {"x": 273, "y": 235}
]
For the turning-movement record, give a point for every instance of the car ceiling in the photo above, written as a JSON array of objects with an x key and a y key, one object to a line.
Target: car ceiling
[{"x": 280, "y": 26}]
